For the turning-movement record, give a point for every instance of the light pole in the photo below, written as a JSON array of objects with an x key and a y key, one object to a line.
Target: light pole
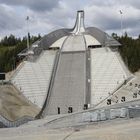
[
  {"x": 121, "y": 13},
  {"x": 27, "y": 19}
]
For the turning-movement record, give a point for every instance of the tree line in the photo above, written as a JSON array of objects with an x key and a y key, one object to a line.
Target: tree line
[
  {"x": 10, "y": 46},
  {"x": 130, "y": 51}
]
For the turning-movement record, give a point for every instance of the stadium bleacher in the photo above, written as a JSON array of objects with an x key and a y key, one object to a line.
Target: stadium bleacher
[
  {"x": 34, "y": 77},
  {"x": 106, "y": 73}
]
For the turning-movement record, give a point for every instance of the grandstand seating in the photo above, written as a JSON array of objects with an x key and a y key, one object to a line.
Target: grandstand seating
[
  {"x": 107, "y": 73},
  {"x": 130, "y": 91},
  {"x": 33, "y": 77}
]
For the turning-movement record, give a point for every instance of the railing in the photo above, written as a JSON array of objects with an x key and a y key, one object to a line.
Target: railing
[
  {"x": 8, "y": 123},
  {"x": 88, "y": 116},
  {"x": 123, "y": 111},
  {"x": 114, "y": 91}
]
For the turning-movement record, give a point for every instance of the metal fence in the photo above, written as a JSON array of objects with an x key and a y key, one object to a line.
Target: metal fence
[{"x": 4, "y": 122}]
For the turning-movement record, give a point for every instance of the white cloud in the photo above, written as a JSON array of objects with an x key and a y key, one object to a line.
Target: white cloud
[
  {"x": 9, "y": 20},
  {"x": 47, "y": 15}
]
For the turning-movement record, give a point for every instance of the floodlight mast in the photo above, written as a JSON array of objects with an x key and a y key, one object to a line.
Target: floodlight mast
[
  {"x": 27, "y": 19},
  {"x": 121, "y": 13}
]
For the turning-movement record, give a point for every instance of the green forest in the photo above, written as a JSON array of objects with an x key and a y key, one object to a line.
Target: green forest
[
  {"x": 10, "y": 46},
  {"x": 130, "y": 51}
]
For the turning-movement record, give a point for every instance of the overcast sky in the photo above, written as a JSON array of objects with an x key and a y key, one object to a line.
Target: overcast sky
[{"x": 48, "y": 15}]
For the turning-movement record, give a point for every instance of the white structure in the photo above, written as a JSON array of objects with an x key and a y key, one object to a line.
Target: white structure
[
  {"x": 34, "y": 77},
  {"x": 90, "y": 40},
  {"x": 79, "y": 25},
  {"x": 107, "y": 74},
  {"x": 85, "y": 71}
]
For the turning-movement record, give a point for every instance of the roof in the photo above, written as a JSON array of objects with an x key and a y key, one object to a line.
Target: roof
[{"x": 79, "y": 28}]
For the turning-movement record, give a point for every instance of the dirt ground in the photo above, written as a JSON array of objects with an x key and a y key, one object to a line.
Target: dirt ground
[
  {"x": 14, "y": 105},
  {"x": 113, "y": 130}
]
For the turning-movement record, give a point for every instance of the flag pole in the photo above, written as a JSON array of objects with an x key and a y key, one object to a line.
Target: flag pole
[
  {"x": 27, "y": 19},
  {"x": 121, "y": 13}
]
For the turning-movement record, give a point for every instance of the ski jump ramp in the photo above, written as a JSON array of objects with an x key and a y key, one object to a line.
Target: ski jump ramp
[{"x": 69, "y": 86}]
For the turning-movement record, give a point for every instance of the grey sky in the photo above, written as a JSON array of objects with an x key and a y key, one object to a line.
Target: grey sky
[{"x": 47, "y": 15}]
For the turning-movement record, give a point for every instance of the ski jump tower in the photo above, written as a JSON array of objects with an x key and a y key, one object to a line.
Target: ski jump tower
[
  {"x": 79, "y": 24},
  {"x": 76, "y": 69},
  {"x": 69, "y": 88}
]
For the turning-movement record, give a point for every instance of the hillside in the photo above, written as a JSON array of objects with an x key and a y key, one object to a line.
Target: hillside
[
  {"x": 14, "y": 105},
  {"x": 10, "y": 47}
]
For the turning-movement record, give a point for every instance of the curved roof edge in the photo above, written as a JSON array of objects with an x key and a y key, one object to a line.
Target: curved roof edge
[
  {"x": 102, "y": 37},
  {"x": 98, "y": 34},
  {"x": 50, "y": 38}
]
